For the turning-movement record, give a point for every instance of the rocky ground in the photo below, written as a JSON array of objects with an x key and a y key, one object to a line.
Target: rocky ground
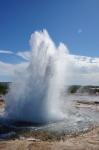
[
  {"x": 87, "y": 141},
  {"x": 84, "y": 141}
]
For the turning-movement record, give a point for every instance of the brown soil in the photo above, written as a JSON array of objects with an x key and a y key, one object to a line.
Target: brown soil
[{"x": 87, "y": 141}]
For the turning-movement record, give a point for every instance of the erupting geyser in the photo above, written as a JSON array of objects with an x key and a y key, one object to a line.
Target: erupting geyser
[{"x": 36, "y": 94}]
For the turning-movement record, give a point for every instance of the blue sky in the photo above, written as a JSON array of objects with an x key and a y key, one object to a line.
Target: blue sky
[
  {"x": 73, "y": 22},
  {"x": 62, "y": 18}
]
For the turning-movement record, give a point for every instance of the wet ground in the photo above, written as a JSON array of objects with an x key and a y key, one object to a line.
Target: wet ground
[
  {"x": 79, "y": 130},
  {"x": 86, "y": 141}
]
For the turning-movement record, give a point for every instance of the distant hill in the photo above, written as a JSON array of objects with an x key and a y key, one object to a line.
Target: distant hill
[
  {"x": 83, "y": 89},
  {"x": 4, "y": 86}
]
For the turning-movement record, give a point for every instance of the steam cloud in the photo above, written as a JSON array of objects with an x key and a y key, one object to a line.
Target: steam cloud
[{"x": 36, "y": 94}]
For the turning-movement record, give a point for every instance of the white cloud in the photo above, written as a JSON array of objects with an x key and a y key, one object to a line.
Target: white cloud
[
  {"x": 6, "y": 52},
  {"x": 85, "y": 70},
  {"x": 10, "y": 69},
  {"x": 25, "y": 55},
  {"x": 5, "y": 68}
]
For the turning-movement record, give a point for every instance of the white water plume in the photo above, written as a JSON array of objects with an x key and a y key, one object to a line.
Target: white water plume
[{"x": 36, "y": 94}]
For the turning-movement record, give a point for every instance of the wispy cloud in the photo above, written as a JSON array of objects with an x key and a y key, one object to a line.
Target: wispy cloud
[
  {"x": 6, "y": 52},
  {"x": 25, "y": 55},
  {"x": 22, "y": 54}
]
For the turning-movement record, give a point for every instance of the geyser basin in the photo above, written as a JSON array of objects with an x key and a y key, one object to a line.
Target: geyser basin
[{"x": 37, "y": 94}]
